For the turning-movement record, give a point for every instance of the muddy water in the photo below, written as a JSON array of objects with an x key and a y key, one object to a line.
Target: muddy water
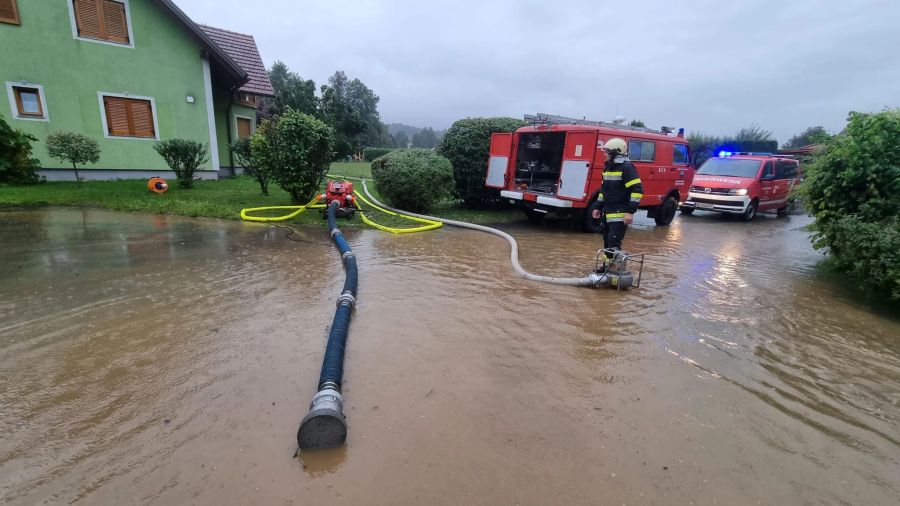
[{"x": 161, "y": 360}]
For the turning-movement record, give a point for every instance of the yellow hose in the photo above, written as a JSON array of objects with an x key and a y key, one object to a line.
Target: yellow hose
[
  {"x": 297, "y": 210},
  {"x": 429, "y": 224}
]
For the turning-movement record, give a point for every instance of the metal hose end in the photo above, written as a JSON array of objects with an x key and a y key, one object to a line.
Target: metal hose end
[{"x": 325, "y": 425}]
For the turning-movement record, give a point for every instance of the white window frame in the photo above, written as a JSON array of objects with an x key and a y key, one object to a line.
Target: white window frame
[
  {"x": 101, "y": 94},
  {"x": 252, "y": 125},
  {"x": 74, "y": 24},
  {"x": 14, "y": 109}
]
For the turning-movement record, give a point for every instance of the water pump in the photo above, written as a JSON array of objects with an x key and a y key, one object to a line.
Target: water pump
[
  {"x": 342, "y": 193},
  {"x": 612, "y": 269}
]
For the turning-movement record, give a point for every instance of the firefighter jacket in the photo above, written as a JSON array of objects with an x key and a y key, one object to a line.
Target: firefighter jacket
[{"x": 622, "y": 189}]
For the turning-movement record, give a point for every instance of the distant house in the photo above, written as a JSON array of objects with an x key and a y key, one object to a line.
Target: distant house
[{"x": 127, "y": 73}]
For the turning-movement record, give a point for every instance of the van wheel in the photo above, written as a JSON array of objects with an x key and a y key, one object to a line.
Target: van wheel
[
  {"x": 750, "y": 213},
  {"x": 687, "y": 210},
  {"x": 783, "y": 212},
  {"x": 534, "y": 216},
  {"x": 588, "y": 223},
  {"x": 666, "y": 211}
]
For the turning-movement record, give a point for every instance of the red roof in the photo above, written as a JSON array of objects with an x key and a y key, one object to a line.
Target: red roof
[{"x": 242, "y": 49}]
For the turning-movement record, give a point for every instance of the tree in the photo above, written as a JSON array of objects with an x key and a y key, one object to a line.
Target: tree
[
  {"x": 424, "y": 138},
  {"x": 244, "y": 155},
  {"x": 401, "y": 140},
  {"x": 296, "y": 149},
  {"x": 74, "y": 148},
  {"x": 291, "y": 91},
  {"x": 467, "y": 144},
  {"x": 753, "y": 133},
  {"x": 17, "y": 165},
  {"x": 853, "y": 191},
  {"x": 637, "y": 123},
  {"x": 184, "y": 157},
  {"x": 351, "y": 109},
  {"x": 812, "y": 135}
]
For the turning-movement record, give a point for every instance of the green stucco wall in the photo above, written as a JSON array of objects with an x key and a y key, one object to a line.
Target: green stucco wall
[
  {"x": 221, "y": 101},
  {"x": 164, "y": 63}
]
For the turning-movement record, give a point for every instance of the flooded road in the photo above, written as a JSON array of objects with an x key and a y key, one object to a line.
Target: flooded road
[{"x": 163, "y": 360}]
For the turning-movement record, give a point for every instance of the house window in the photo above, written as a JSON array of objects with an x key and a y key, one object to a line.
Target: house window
[
  {"x": 641, "y": 151},
  {"x": 9, "y": 12},
  {"x": 244, "y": 127},
  {"x": 104, "y": 20},
  {"x": 246, "y": 99},
  {"x": 129, "y": 117},
  {"x": 26, "y": 101}
]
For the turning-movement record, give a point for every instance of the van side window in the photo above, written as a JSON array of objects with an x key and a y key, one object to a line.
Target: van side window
[
  {"x": 768, "y": 168},
  {"x": 641, "y": 151},
  {"x": 680, "y": 155},
  {"x": 785, "y": 170}
]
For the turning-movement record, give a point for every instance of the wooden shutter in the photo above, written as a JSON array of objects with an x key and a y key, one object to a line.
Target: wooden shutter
[
  {"x": 8, "y": 12},
  {"x": 243, "y": 128},
  {"x": 88, "y": 18},
  {"x": 116, "y": 116},
  {"x": 114, "y": 21},
  {"x": 141, "y": 113}
]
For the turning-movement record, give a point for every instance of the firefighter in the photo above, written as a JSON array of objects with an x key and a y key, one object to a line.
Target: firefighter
[{"x": 620, "y": 194}]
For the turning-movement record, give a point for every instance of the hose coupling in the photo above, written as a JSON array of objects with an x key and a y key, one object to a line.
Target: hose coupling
[
  {"x": 347, "y": 254},
  {"x": 335, "y": 232},
  {"x": 325, "y": 425},
  {"x": 348, "y": 299}
]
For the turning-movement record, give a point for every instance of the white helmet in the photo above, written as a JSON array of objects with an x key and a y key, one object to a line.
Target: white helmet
[{"x": 616, "y": 146}]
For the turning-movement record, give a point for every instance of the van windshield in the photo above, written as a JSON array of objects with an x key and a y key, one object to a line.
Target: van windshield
[{"x": 734, "y": 167}]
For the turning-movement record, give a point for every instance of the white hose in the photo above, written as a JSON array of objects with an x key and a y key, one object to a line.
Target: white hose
[{"x": 590, "y": 280}]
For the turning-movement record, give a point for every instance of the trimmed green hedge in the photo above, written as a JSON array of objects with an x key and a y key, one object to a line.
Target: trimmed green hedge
[
  {"x": 467, "y": 145},
  {"x": 370, "y": 154},
  {"x": 413, "y": 179}
]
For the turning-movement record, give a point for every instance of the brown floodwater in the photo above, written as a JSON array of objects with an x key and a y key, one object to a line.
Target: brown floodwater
[{"x": 163, "y": 360}]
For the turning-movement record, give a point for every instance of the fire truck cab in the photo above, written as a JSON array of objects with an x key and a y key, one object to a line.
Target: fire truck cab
[{"x": 556, "y": 165}]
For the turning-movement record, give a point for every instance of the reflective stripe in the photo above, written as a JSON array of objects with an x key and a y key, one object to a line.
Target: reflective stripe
[
  {"x": 615, "y": 215},
  {"x": 607, "y": 177},
  {"x": 636, "y": 195},
  {"x": 614, "y": 220},
  {"x": 633, "y": 182},
  {"x": 600, "y": 197},
  {"x": 611, "y": 173}
]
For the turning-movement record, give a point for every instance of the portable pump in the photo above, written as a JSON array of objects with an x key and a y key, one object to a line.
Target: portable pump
[
  {"x": 342, "y": 193},
  {"x": 612, "y": 269}
]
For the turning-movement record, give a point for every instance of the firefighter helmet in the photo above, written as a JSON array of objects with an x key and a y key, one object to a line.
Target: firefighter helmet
[{"x": 616, "y": 145}]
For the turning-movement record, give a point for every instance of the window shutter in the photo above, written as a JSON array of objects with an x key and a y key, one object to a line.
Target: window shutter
[
  {"x": 88, "y": 18},
  {"x": 141, "y": 118},
  {"x": 8, "y": 12},
  {"x": 243, "y": 128},
  {"x": 114, "y": 21},
  {"x": 116, "y": 116}
]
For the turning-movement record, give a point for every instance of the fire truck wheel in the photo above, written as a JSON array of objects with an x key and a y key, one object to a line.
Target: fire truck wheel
[
  {"x": 588, "y": 223},
  {"x": 534, "y": 216},
  {"x": 666, "y": 212},
  {"x": 750, "y": 213}
]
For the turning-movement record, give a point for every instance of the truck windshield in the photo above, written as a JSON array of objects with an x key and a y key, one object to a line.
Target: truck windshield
[{"x": 729, "y": 167}]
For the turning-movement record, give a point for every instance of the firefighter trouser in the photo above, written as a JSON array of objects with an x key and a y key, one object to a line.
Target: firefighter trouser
[{"x": 614, "y": 231}]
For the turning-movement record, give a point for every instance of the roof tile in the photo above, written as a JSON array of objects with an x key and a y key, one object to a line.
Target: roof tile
[{"x": 242, "y": 49}]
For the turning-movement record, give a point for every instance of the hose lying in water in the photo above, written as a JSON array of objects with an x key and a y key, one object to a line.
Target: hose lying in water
[
  {"x": 325, "y": 425},
  {"x": 245, "y": 213},
  {"x": 591, "y": 280}
]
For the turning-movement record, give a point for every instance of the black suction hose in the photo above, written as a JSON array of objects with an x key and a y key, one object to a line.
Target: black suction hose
[{"x": 325, "y": 425}]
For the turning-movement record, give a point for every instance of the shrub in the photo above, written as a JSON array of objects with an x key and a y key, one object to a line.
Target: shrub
[
  {"x": 413, "y": 179},
  {"x": 370, "y": 154},
  {"x": 17, "y": 166},
  {"x": 184, "y": 157},
  {"x": 296, "y": 149},
  {"x": 467, "y": 145},
  {"x": 244, "y": 155},
  {"x": 853, "y": 190},
  {"x": 74, "y": 148}
]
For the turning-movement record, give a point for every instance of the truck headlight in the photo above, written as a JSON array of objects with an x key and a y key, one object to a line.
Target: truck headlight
[{"x": 741, "y": 192}]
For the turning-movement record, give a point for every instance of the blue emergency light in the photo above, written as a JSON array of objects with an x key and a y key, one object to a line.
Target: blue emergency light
[{"x": 725, "y": 154}]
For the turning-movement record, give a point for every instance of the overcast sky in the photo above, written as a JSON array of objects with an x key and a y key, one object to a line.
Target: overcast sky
[{"x": 705, "y": 65}]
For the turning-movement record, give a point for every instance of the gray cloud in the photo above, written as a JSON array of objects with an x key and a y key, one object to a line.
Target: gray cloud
[{"x": 705, "y": 65}]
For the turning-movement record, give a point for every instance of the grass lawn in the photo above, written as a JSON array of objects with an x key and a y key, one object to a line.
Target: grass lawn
[{"x": 213, "y": 199}]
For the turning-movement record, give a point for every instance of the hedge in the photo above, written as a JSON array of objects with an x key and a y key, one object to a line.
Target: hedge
[{"x": 413, "y": 179}]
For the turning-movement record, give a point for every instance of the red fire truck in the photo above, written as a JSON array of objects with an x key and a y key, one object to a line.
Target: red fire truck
[{"x": 556, "y": 165}]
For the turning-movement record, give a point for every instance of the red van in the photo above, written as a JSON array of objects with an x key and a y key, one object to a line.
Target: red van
[
  {"x": 556, "y": 165},
  {"x": 743, "y": 184}
]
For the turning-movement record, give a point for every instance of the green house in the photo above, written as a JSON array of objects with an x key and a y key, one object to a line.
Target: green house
[{"x": 127, "y": 73}]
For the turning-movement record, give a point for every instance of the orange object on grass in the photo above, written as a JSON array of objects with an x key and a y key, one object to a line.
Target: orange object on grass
[{"x": 157, "y": 185}]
